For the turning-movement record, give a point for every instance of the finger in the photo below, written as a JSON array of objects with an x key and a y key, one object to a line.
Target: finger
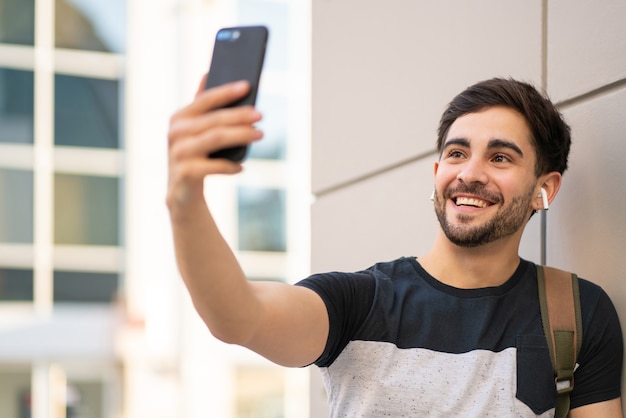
[
  {"x": 216, "y": 97},
  {"x": 227, "y": 138},
  {"x": 185, "y": 126},
  {"x": 196, "y": 169},
  {"x": 210, "y": 141}
]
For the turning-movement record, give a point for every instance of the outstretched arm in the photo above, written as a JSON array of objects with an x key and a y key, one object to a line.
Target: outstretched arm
[{"x": 286, "y": 324}]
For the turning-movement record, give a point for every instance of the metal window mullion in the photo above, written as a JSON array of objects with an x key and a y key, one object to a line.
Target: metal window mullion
[
  {"x": 40, "y": 383},
  {"x": 43, "y": 155}
]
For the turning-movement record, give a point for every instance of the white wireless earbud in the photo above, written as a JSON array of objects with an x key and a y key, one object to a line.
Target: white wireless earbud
[
  {"x": 544, "y": 197},
  {"x": 432, "y": 195}
]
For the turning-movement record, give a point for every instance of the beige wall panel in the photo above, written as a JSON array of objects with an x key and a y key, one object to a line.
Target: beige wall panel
[
  {"x": 586, "y": 45},
  {"x": 379, "y": 219},
  {"x": 383, "y": 72},
  {"x": 587, "y": 225}
]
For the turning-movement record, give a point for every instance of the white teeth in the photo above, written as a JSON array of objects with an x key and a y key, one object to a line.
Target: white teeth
[{"x": 470, "y": 201}]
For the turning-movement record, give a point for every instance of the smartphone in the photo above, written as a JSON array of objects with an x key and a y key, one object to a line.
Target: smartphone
[{"x": 238, "y": 54}]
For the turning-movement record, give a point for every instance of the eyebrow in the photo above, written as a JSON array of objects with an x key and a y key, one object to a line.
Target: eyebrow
[
  {"x": 501, "y": 143},
  {"x": 494, "y": 143}
]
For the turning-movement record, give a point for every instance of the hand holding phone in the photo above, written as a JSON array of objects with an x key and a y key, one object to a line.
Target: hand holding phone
[{"x": 238, "y": 54}]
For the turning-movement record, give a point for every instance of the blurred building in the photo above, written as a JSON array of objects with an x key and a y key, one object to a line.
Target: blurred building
[{"x": 94, "y": 320}]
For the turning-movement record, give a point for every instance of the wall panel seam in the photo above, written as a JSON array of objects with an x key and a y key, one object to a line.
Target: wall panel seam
[
  {"x": 372, "y": 174},
  {"x": 543, "y": 240},
  {"x": 592, "y": 94}
]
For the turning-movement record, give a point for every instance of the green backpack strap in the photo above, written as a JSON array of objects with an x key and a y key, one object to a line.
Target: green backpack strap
[{"x": 559, "y": 298}]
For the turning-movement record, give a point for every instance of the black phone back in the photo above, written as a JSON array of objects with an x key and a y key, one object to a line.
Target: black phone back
[{"x": 238, "y": 54}]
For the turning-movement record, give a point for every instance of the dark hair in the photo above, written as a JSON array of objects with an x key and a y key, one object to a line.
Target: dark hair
[{"x": 550, "y": 133}]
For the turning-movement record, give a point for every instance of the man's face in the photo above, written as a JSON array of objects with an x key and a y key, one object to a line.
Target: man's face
[{"x": 485, "y": 182}]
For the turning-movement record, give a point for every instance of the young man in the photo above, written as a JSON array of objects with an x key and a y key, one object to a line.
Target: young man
[{"x": 455, "y": 332}]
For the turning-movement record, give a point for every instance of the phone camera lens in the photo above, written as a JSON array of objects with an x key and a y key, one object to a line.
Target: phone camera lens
[
  {"x": 223, "y": 35},
  {"x": 228, "y": 35}
]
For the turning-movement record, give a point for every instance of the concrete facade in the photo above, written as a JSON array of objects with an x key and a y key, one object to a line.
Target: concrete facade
[{"x": 383, "y": 73}]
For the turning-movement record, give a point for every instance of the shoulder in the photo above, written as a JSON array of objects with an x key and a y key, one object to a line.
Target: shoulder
[
  {"x": 400, "y": 267},
  {"x": 594, "y": 301},
  {"x": 601, "y": 325},
  {"x": 600, "y": 361},
  {"x": 350, "y": 299},
  {"x": 396, "y": 274},
  {"x": 589, "y": 289}
]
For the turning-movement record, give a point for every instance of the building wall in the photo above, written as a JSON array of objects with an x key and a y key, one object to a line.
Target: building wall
[
  {"x": 61, "y": 166},
  {"x": 382, "y": 74}
]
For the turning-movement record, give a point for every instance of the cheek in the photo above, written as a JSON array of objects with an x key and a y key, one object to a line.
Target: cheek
[
  {"x": 513, "y": 187},
  {"x": 444, "y": 175}
]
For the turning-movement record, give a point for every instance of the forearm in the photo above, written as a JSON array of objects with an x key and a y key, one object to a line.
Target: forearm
[
  {"x": 218, "y": 288},
  {"x": 217, "y": 285}
]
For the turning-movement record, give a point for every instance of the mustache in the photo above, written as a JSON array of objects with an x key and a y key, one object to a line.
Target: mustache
[{"x": 474, "y": 189}]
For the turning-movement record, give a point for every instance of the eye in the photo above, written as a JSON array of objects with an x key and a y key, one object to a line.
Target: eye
[
  {"x": 455, "y": 153},
  {"x": 501, "y": 158}
]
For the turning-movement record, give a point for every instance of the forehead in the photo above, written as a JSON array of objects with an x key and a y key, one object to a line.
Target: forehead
[{"x": 497, "y": 122}]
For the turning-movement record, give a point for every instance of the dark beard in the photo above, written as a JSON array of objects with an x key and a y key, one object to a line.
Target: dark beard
[{"x": 506, "y": 222}]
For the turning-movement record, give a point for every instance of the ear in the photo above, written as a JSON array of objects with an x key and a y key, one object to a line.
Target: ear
[
  {"x": 436, "y": 168},
  {"x": 551, "y": 182}
]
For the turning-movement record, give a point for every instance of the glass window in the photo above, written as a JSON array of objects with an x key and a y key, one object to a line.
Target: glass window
[
  {"x": 273, "y": 145},
  {"x": 86, "y": 112},
  {"x": 85, "y": 399},
  {"x": 17, "y": 22},
  {"x": 85, "y": 287},
  {"x": 16, "y": 206},
  {"x": 92, "y": 25},
  {"x": 16, "y": 106},
  {"x": 15, "y": 392},
  {"x": 274, "y": 15},
  {"x": 261, "y": 219},
  {"x": 86, "y": 210},
  {"x": 16, "y": 285}
]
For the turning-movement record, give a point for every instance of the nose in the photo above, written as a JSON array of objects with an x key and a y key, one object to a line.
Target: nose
[{"x": 473, "y": 172}]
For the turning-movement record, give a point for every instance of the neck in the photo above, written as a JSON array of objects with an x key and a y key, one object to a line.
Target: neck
[{"x": 474, "y": 267}]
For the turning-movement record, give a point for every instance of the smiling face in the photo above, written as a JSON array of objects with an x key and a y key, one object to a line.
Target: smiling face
[{"x": 485, "y": 181}]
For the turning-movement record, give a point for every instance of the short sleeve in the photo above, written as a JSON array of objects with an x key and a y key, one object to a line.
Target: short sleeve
[
  {"x": 348, "y": 298},
  {"x": 598, "y": 377}
]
